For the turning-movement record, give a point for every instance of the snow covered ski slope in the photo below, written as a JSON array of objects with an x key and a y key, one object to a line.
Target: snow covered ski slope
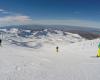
[{"x": 75, "y": 61}]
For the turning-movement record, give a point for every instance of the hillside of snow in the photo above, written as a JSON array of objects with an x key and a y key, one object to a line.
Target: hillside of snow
[
  {"x": 31, "y": 55},
  {"x": 75, "y": 61}
]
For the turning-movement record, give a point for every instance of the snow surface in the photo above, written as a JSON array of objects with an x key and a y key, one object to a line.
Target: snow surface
[{"x": 75, "y": 61}]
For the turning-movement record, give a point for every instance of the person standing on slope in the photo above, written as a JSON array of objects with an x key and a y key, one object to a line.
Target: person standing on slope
[
  {"x": 57, "y": 49},
  {"x": 0, "y": 42},
  {"x": 98, "y": 54}
]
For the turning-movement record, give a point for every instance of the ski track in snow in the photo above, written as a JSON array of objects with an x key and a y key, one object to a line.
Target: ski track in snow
[{"x": 73, "y": 62}]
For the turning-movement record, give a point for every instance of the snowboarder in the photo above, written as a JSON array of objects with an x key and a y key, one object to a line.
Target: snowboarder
[
  {"x": 98, "y": 54},
  {"x": 57, "y": 49},
  {"x": 0, "y": 42}
]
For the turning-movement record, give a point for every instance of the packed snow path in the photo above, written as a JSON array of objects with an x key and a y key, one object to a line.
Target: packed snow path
[{"x": 73, "y": 62}]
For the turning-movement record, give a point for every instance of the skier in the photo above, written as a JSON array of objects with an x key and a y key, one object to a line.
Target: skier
[
  {"x": 98, "y": 54},
  {"x": 0, "y": 42},
  {"x": 57, "y": 49}
]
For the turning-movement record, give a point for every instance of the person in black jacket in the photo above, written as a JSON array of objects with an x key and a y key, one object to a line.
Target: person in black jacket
[
  {"x": 57, "y": 49},
  {"x": 0, "y": 42}
]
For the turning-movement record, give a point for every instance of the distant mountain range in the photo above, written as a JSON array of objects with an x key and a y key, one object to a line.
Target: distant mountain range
[
  {"x": 26, "y": 30},
  {"x": 38, "y": 35},
  {"x": 53, "y": 27}
]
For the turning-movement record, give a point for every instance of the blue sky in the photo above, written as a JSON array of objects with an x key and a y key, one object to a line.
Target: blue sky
[{"x": 68, "y": 12}]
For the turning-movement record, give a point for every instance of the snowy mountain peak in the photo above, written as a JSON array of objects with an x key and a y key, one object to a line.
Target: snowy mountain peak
[{"x": 32, "y": 36}]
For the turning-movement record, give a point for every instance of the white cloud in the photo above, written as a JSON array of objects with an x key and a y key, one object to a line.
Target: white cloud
[
  {"x": 18, "y": 19},
  {"x": 5, "y": 11},
  {"x": 13, "y": 18},
  {"x": 1, "y": 10},
  {"x": 22, "y": 19}
]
